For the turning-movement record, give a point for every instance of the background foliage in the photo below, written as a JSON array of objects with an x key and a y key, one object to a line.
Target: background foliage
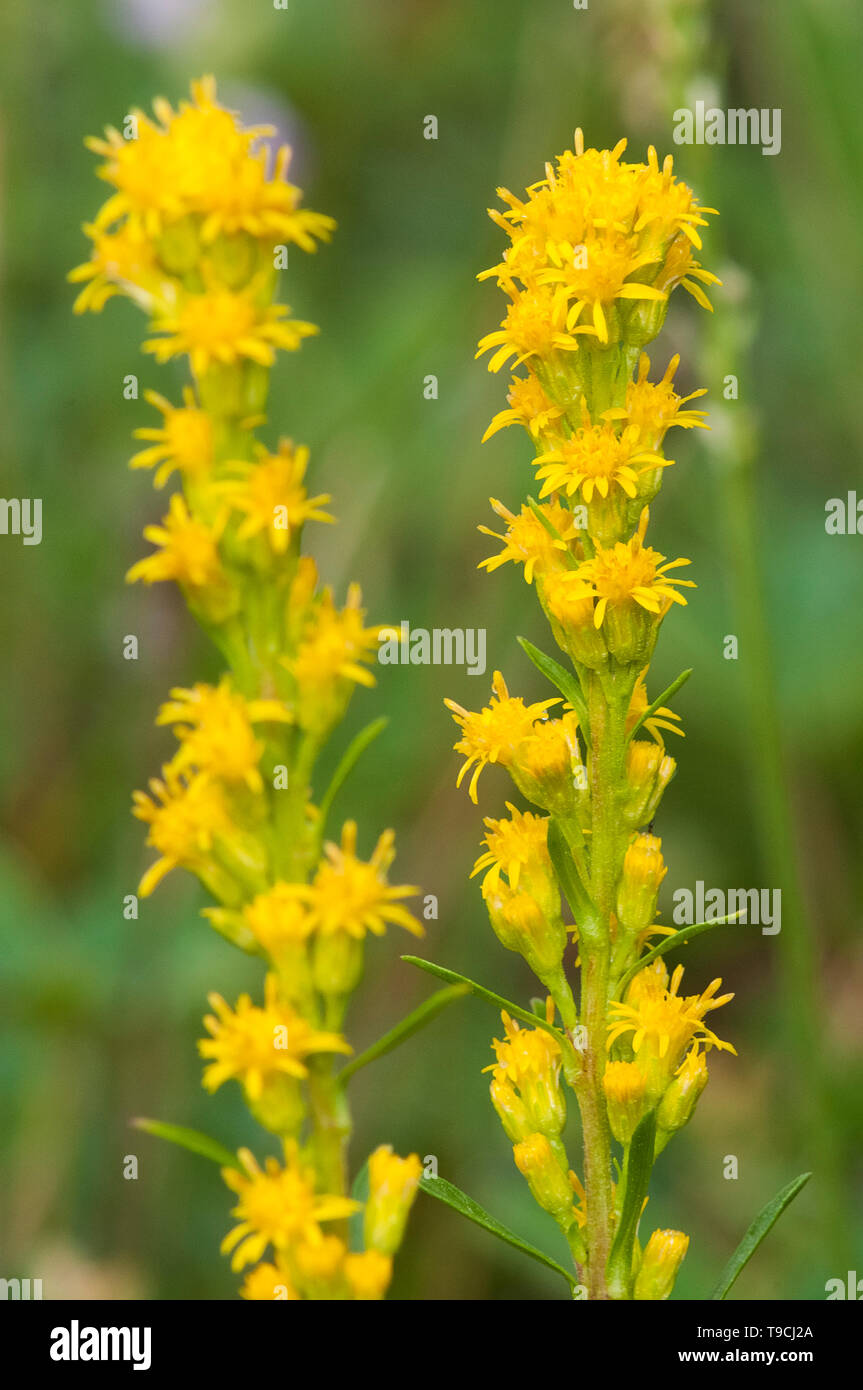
[{"x": 100, "y": 1014}]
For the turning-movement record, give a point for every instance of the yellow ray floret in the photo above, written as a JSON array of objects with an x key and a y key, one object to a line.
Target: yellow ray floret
[
  {"x": 253, "y": 1045},
  {"x": 222, "y": 326},
  {"x": 215, "y": 727},
  {"x": 270, "y": 497},
  {"x": 348, "y": 894},
  {"x": 663, "y": 1023},
  {"x": 529, "y": 541},
  {"x": 528, "y": 406},
  {"x": 653, "y": 407},
  {"x": 513, "y": 845},
  {"x": 596, "y": 459},
  {"x": 278, "y": 1207},
  {"x": 198, "y": 160},
  {"x": 185, "y": 814},
  {"x": 184, "y": 444},
  {"x": 493, "y": 734},
  {"x": 629, "y": 572},
  {"x": 188, "y": 550}
]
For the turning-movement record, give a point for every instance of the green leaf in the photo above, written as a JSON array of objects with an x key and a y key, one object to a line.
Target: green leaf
[
  {"x": 639, "y": 1164},
  {"x": 453, "y": 1197},
  {"x": 191, "y": 1139},
  {"x": 764, "y": 1221},
  {"x": 452, "y": 977},
  {"x": 574, "y": 891},
  {"x": 668, "y": 943},
  {"x": 563, "y": 679},
  {"x": 350, "y": 758},
  {"x": 360, "y": 1193},
  {"x": 420, "y": 1016},
  {"x": 660, "y": 700}
]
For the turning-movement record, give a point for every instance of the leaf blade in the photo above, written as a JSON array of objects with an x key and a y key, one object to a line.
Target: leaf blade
[
  {"x": 453, "y": 977},
  {"x": 763, "y": 1223},
  {"x": 459, "y": 1201},
  {"x": 565, "y": 682},
  {"x": 660, "y": 700},
  {"x": 192, "y": 1139},
  {"x": 410, "y": 1024},
  {"x": 347, "y": 762},
  {"x": 679, "y": 938}
]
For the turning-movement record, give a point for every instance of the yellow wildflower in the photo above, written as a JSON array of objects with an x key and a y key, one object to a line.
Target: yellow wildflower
[
  {"x": 369, "y": 1274},
  {"x": 350, "y": 895},
  {"x": 278, "y": 1207},
  {"x": 493, "y": 735},
  {"x": 185, "y": 815},
  {"x": 533, "y": 326},
  {"x": 253, "y": 1044},
  {"x": 663, "y": 1023},
  {"x": 528, "y": 542},
  {"x": 629, "y": 572},
  {"x": 267, "y": 1283},
  {"x": 214, "y": 726},
  {"x": 278, "y": 919},
  {"x": 188, "y": 553},
  {"x": 393, "y": 1185},
  {"x": 184, "y": 443},
  {"x": 596, "y": 458},
  {"x": 224, "y": 326},
  {"x": 528, "y": 406},
  {"x": 513, "y": 845},
  {"x": 270, "y": 495},
  {"x": 121, "y": 262},
  {"x": 652, "y": 408}
]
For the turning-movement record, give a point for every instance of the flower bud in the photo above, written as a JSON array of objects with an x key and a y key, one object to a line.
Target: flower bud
[
  {"x": 511, "y": 1110},
  {"x": 548, "y": 769},
  {"x": 624, "y": 1085},
  {"x": 678, "y": 1103},
  {"x": 550, "y": 1186},
  {"x": 630, "y": 632},
  {"x": 280, "y": 1108},
  {"x": 535, "y": 930},
  {"x": 643, "y": 871},
  {"x": 571, "y": 616},
  {"x": 337, "y": 962},
  {"x": 643, "y": 760},
  {"x": 393, "y": 1184},
  {"x": 369, "y": 1274},
  {"x": 663, "y": 1256}
]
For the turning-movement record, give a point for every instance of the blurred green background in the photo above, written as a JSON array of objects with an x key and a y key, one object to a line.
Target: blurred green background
[{"x": 100, "y": 1014}]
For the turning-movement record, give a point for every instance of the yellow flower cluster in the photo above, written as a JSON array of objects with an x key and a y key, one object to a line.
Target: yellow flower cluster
[
  {"x": 594, "y": 251},
  {"x": 195, "y": 232}
]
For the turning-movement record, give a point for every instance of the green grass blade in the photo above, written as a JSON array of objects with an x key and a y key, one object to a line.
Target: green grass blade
[
  {"x": 668, "y": 943},
  {"x": 409, "y": 1025},
  {"x": 764, "y": 1221},
  {"x": 452, "y": 977},
  {"x": 453, "y": 1197},
  {"x": 191, "y": 1139},
  {"x": 639, "y": 1166},
  {"x": 563, "y": 679},
  {"x": 350, "y": 758},
  {"x": 660, "y": 700}
]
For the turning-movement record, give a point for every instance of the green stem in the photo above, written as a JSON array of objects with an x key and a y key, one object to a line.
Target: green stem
[{"x": 330, "y": 1127}]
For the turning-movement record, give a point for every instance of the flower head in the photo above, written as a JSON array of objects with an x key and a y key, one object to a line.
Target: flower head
[
  {"x": 277, "y": 1207},
  {"x": 215, "y": 727},
  {"x": 513, "y": 845},
  {"x": 183, "y": 444},
  {"x": 660, "y": 1024},
  {"x": 629, "y": 573},
  {"x": 188, "y": 550},
  {"x": 529, "y": 406},
  {"x": 185, "y": 814},
  {"x": 223, "y": 326},
  {"x": 596, "y": 459},
  {"x": 270, "y": 496},
  {"x": 529, "y": 541},
  {"x": 352, "y": 895},
  {"x": 493, "y": 735},
  {"x": 254, "y": 1045}
]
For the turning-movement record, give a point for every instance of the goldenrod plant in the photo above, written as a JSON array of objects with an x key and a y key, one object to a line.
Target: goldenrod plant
[
  {"x": 195, "y": 231},
  {"x": 595, "y": 250}
]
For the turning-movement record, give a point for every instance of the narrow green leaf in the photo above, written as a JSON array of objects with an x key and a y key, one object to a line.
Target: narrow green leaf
[
  {"x": 764, "y": 1221},
  {"x": 668, "y": 943},
  {"x": 360, "y": 1193},
  {"x": 350, "y": 758},
  {"x": 639, "y": 1164},
  {"x": 452, "y": 977},
  {"x": 409, "y": 1025},
  {"x": 448, "y": 1193},
  {"x": 563, "y": 679},
  {"x": 660, "y": 700},
  {"x": 574, "y": 891},
  {"x": 191, "y": 1139}
]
